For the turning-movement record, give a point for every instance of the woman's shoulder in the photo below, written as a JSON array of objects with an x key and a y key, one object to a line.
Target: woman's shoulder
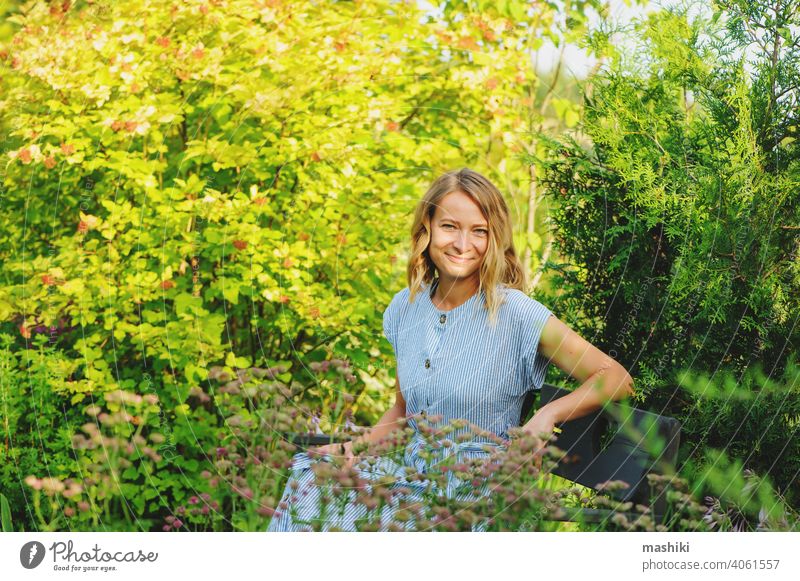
[
  {"x": 401, "y": 296},
  {"x": 399, "y": 299},
  {"x": 518, "y": 302}
]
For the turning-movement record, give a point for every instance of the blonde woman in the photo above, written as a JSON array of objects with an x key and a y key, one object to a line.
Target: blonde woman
[{"x": 469, "y": 344}]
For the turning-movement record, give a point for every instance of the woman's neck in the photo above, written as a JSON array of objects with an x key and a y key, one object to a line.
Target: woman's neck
[{"x": 451, "y": 293}]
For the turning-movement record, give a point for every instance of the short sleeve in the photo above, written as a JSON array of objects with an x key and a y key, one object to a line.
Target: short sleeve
[
  {"x": 390, "y": 323},
  {"x": 533, "y": 316}
]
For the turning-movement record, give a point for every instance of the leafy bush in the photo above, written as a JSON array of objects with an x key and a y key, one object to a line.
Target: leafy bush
[
  {"x": 125, "y": 474},
  {"x": 678, "y": 225}
]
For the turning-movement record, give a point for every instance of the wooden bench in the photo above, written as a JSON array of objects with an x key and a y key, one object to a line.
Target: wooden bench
[{"x": 608, "y": 444}]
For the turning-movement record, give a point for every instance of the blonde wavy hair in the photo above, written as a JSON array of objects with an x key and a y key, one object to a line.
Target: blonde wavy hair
[{"x": 500, "y": 263}]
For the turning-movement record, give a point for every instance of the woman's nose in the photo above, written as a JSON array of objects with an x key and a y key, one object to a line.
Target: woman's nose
[{"x": 460, "y": 242}]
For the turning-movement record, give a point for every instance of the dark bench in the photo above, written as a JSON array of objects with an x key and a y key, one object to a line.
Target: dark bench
[{"x": 608, "y": 444}]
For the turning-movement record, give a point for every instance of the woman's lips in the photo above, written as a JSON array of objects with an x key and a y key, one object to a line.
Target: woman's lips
[{"x": 457, "y": 259}]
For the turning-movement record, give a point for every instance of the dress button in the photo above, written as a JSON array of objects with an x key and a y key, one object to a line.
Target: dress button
[
  {"x": 427, "y": 364},
  {"x": 442, "y": 319}
]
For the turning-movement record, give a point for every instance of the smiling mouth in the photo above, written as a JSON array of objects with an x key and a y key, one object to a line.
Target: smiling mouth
[{"x": 457, "y": 259}]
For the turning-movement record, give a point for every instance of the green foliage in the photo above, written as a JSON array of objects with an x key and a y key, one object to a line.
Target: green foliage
[
  {"x": 207, "y": 232},
  {"x": 212, "y": 199},
  {"x": 678, "y": 226},
  {"x": 37, "y": 423},
  {"x": 193, "y": 197},
  {"x": 5, "y": 515},
  {"x": 753, "y": 417},
  {"x": 742, "y": 500}
]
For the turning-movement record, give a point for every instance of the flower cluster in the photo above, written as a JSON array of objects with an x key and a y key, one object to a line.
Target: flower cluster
[
  {"x": 337, "y": 367},
  {"x": 115, "y": 447}
]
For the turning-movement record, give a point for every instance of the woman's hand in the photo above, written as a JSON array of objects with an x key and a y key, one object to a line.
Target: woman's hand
[
  {"x": 344, "y": 450},
  {"x": 541, "y": 427}
]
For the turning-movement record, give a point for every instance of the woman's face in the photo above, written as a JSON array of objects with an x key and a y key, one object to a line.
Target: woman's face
[{"x": 459, "y": 237}]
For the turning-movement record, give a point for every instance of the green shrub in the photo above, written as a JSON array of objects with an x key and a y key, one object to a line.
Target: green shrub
[{"x": 677, "y": 226}]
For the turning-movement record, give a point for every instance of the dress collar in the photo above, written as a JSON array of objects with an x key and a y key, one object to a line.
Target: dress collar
[{"x": 430, "y": 289}]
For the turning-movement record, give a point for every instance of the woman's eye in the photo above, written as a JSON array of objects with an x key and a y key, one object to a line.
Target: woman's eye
[{"x": 481, "y": 231}]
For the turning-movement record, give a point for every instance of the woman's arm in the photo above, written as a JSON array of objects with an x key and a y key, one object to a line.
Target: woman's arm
[
  {"x": 602, "y": 378},
  {"x": 389, "y": 422}
]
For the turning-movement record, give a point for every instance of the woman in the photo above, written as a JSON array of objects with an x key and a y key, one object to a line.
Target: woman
[{"x": 469, "y": 343}]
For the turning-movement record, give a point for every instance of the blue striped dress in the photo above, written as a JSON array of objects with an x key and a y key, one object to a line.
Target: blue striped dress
[{"x": 453, "y": 364}]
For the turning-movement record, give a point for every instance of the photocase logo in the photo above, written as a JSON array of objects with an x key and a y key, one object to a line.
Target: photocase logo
[{"x": 31, "y": 554}]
